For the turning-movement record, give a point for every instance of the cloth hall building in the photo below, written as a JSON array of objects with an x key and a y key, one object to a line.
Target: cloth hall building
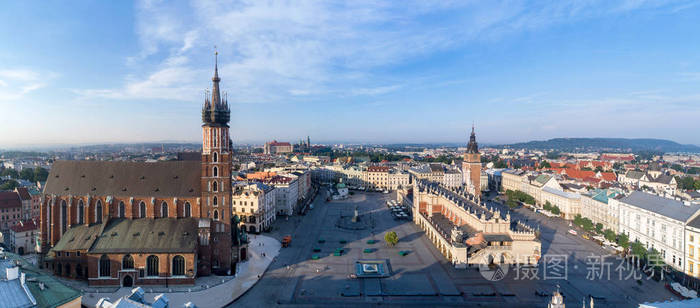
[{"x": 134, "y": 223}]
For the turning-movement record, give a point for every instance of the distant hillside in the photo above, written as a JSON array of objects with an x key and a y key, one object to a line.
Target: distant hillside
[{"x": 607, "y": 144}]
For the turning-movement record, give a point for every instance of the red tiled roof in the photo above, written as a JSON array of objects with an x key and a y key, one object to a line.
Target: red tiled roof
[
  {"x": 608, "y": 176},
  {"x": 23, "y": 193},
  {"x": 9, "y": 199},
  {"x": 579, "y": 174},
  {"x": 27, "y": 225},
  {"x": 377, "y": 169}
]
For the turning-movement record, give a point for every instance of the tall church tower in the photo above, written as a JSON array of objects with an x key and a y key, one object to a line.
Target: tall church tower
[
  {"x": 216, "y": 177},
  {"x": 471, "y": 167}
]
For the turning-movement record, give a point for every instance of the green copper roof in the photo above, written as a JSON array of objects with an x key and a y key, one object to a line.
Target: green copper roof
[{"x": 54, "y": 293}]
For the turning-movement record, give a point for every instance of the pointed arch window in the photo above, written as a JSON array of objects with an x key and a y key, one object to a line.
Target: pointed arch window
[
  {"x": 164, "y": 209},
  {"x": 188, "y": 209},
  {"x": 215, "y": 186},
  {"x": 104, "y": 270},
  {"x": 81, "y": 212},
  {"x": 64, "y": 218},
  {"x": 128, "y": 262},
  {"x": 216, "y": 157},
  {"x": 98, "y": 212},
  {"x": 142, "y": 209},
  {"x": 178, "y": 266},
  {"x": 152, "y": 266},
  {"x": 215, "y": 201},
  {"x": 215, "y": 171},
  {"x": 122, "y": 209},
  {"x": 216, "y": 215}
]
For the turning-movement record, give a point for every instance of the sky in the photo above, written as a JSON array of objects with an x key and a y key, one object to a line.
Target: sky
[{"x": 357, "y": 71}]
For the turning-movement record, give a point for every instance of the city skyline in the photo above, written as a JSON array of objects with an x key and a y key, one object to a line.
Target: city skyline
[{"x": 358, "y": 73}]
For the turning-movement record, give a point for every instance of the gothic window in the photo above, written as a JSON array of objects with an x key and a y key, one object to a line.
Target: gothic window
[
  {"x": 164, "y": 209},
  {"x": 98, "y": 212},
  {"x": 215, "y": 186},
  {"x": 214, "y": 140},
  {"x": 215, "y": 201},
  {"x": 121, "y": 209},
  {"x": 128, "y": 262},
  {"x": 216, "y": 171},
  {"x": 104, "y": 270},
  {"x": 64, "y": 219},
  {"x": 178, "y": 266},
  {"x": 152, "y": 266},
  {"x": 216, "y": 157},
  {"x": 188, "y": 209},
  {"x": 216, "y": 214},
  {"x": 142, "y": 209},
  {"x": 81, "y": 212}
]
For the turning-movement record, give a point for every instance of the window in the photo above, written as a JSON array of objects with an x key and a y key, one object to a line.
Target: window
[
  {"x": 98, "y": 212},
  {"x": 216, "y": 213},
  {"x": 152, "y": 266},
  {"x": 215, "y": 201},
  {"x": 215, "y": 171},
  {"x": 178, "y": 266},
  {"x": 64, "y": 216},
  {"x": 81, "y": 212},
  {"x": 215, "y": 186},
  {"x": 164, "y": 209},
  {"x": 104, "y": 270},
  {"x": 142, "y": 209},
  {"x": 188, "y": 209},
  {"x": 691, "y": 251},
  {"x": 128, "y": 262},
  {"x": 690, "y": 267},
  {"x": 122, "y": 210},
  {"x": 691, "y": 238},
  {"x": 216, "y": 157}
]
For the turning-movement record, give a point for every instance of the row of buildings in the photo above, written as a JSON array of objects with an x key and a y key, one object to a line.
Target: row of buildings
[
  {"x": 667, "y": 225},
  {"x": 19, "y": 216}
]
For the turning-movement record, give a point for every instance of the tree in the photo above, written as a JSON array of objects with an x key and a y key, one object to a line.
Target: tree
[
  {"x": 599, "y": 227},
  {"x": 639, "y": 250},
  {"x": 553, "y": 155},
  {"x": 12, "y": 173},
  {"x": 623, "y": 240},
  {"x": 391, "y": 238},
  {"x": 545, "y": 164},
  {"x": 9, "y": 185},
  {"x": 598, "y": 169},
  {"x": 697, "y": 184},
  {"x": 556, "y": 210},
  {"x": 618, "y": 166},
  {"x": 609, "y": 235},
  {"x": 27, "y": 174},
  {"x": 547, "y": 206},
  {"x": 685, "y": 182},
  {"x": 499, "y": 164}
]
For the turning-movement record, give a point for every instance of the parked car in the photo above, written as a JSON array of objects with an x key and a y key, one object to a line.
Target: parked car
[{"x": 573, "y": 232}]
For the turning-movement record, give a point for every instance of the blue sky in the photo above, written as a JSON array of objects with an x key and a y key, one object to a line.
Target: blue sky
[{"x": 356, "y": 71}]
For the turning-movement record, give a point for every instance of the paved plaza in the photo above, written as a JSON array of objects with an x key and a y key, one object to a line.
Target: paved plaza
[{"x": 423, "y": 277}]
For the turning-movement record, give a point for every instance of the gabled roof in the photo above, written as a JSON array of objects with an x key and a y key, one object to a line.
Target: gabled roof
[
  {"x": 634, "y": 174},
  {"x": 23, "y": 193},
  {"x": 102, "y": 178},
  {"x": 608, "y": 176},
  {"x": 160, "y": 235},
  {"x": 9, "y": 199},
  {"x": 24, "y": 226},
  {"x": 80, "y": 237}
]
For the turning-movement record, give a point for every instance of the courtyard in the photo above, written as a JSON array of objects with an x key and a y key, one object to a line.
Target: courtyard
[{"x": 312, "y": 272}]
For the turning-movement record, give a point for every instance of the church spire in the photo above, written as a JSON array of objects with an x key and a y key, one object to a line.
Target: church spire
[
  {"x": 472, "y": 146},
  {"x": 215, "y": 95}
]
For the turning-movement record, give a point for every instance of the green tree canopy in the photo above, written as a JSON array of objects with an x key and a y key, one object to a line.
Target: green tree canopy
[
  {"x": 623, "y": 240},
  {"x": 545, "y": 164},
  {"x": 609, "y": 235},
  {"x": 599, "y": 227},
  {"x": 9, "y": 185},
  {"x": 12, "y": 173},
  {"x": 391, "y": 238}
]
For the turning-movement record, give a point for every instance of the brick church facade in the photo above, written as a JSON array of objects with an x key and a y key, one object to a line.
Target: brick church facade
[{"x": 133, "y": 223}]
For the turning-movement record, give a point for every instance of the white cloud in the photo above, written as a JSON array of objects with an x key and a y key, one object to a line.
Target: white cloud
[
  {"x": 278, "y": 50},
  {"x": 16, "y": 83}
]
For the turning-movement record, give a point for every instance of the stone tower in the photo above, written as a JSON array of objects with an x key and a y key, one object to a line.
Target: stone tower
[
  {"x": 471, "y": 167},
  {"x": 216, "y": 178}
]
